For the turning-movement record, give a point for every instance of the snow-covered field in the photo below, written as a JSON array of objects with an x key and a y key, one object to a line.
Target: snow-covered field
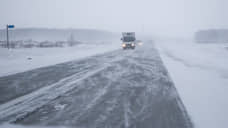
[
  {"x": 19, "y": 60},
  {"x": 200, "y": 73}
]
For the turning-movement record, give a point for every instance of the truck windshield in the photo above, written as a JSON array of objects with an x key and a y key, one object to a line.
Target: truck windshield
[{"x": 128, "y": 39}]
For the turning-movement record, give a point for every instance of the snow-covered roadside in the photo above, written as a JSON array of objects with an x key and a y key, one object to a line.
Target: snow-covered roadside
[
  {"x": 19, "y": 60},
  {"x": 200, "y": 73},
  {"x": 21, "y": 126}
]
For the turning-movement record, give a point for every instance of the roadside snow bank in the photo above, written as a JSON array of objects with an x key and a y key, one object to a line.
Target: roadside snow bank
[
  {"x": 18, "y": 60},
  {"x": 200, "y": 73}
]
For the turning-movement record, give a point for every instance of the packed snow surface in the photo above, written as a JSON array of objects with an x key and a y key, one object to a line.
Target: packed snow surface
[
  {"x": 200, "y": 73},
  {"x": 117, "y": 89}
]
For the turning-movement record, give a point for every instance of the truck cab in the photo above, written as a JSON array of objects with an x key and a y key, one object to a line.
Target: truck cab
[{"x": 128, "y": 40}]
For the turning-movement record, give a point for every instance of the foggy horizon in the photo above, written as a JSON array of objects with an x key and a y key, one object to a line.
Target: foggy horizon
[
  {"x": 162, "y": 18},
  {"x": 113, "y": 63}
]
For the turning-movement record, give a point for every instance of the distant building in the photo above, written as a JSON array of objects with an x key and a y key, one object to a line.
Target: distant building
[
  {"x": 212, "y": 36},
  {"x": 46, "y": 44}
]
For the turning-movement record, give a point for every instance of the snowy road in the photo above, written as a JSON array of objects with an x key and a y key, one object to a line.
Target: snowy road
[{"x": 119, "y": 89}]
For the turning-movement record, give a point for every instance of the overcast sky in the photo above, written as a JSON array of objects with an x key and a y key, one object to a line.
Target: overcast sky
[{"x": 159, "y": 17}]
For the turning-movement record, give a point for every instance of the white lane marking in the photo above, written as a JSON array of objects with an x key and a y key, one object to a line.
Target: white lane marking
[{"x": 126, "y": 111}]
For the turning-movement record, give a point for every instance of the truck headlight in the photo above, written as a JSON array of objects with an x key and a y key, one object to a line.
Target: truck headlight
[
  {"x": 140, "y": 43},
  {"x": 132, "y": 44},
  {"x": 123, "y": 45}
]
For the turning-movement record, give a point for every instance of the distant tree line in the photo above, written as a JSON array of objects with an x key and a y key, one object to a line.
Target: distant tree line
[
  {"x": 39, "y": 44},
  {"x": 212, "y": 36},
  {"x": 40, "y": 34}
]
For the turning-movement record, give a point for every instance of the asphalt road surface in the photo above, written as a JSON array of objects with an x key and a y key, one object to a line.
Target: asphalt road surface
[{"x": 118, "y": 89}]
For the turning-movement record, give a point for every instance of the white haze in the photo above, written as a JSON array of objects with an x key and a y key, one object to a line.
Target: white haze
[{"x": 151, "y": 17}]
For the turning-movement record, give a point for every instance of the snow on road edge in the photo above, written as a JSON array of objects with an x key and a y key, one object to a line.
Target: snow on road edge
[
  {"x": 199, "y": 72},
  {"x": 20, "y": 60}
]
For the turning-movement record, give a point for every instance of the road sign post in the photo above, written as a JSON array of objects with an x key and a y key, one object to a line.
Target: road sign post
[{"x": 7, "y": 34}]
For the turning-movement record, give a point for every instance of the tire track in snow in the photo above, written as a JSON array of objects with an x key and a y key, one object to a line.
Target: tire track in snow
[{"x": 24, "y": 105}]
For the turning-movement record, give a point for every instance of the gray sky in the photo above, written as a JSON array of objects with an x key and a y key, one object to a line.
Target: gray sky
[{"x": 160, "y": 17}]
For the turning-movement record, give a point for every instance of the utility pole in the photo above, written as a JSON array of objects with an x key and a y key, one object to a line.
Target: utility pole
[{"x": 7, "y": 34}]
